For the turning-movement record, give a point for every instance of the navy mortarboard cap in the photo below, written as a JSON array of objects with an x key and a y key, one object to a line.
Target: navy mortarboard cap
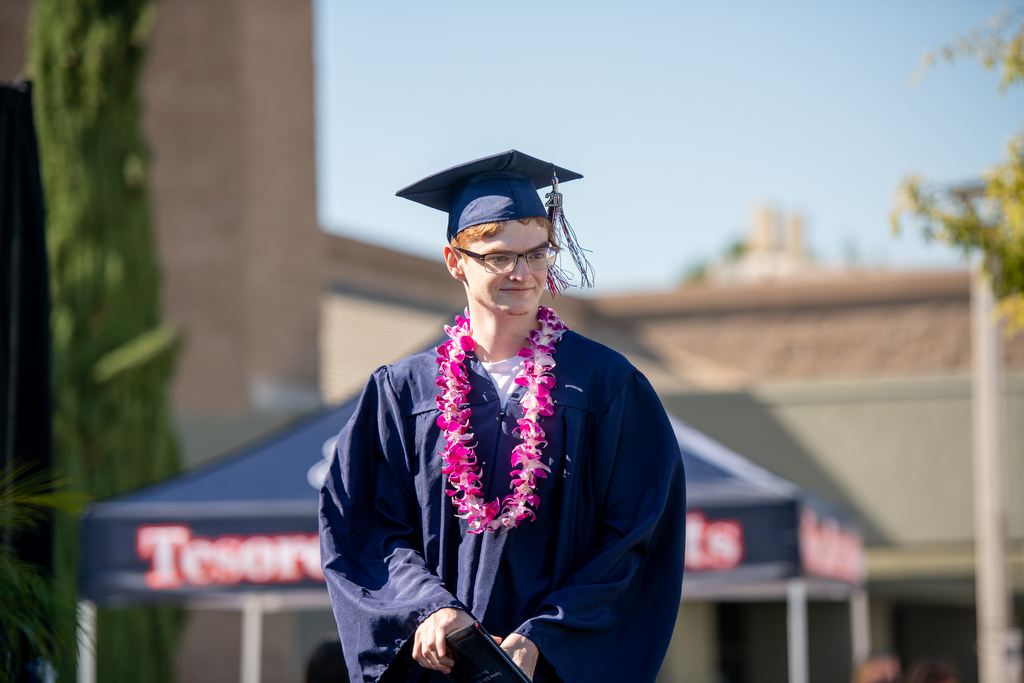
[{"x": 502, "y": 187}]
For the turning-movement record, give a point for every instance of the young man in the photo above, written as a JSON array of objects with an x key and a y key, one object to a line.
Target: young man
[{"x": 520, "y": 475}]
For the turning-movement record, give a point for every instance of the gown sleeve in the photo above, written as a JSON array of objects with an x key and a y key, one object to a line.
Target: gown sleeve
[
  {"x": 370, "y": 539},
  {"x": 612, "y": 618}
]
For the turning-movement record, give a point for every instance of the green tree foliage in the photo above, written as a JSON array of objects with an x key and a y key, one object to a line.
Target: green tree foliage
[
  {"x": 990, "y": 215},
  {"x": 38, "y": 615},
  {"x": 112, "y": 355}
]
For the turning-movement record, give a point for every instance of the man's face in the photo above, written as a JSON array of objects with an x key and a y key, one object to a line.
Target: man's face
[{"x": 516, "y": 292}]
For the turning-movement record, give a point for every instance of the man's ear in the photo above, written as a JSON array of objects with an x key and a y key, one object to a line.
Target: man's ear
[{"x": 453, "y": 260}]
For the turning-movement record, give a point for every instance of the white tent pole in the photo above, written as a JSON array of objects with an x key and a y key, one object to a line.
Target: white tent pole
[
  {"x": 252, "y": 638},
  {"x": 796, "y": 628},
  {"x": 86, "y": 641},
  {"x": 860, "y": 625}
]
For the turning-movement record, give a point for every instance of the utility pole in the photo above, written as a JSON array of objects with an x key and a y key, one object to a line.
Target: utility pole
[{"x": 993, "y": 599}]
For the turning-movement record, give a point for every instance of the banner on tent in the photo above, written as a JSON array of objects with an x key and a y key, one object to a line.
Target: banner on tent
[
  {"x": 771, "y": 541},
  {"x": 713, "y": 545},
  {"x": 177, "y": 558},
  {"x": 170, "y": 558},
  {"x": 165, "y": 559},
  {"x": 829, "y": 551}
]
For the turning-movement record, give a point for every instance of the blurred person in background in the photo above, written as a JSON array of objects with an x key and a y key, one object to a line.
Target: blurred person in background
[
  {"x": 879, "y": 667},
  {"x": 327, "y": 664},
  {"x": 933, "y": 670}
]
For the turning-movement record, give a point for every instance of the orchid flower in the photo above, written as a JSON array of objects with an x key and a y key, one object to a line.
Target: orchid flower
[{"x": 459, "y": 456}]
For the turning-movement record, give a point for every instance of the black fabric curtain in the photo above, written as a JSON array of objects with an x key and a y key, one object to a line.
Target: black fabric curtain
[{"x": 25, "y": 401}]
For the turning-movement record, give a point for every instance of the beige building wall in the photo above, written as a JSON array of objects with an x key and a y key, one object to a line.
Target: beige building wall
[
  {"x": 359, "y": 334},
  {"x": 900, "y": 448},
  {"x": 192, "y": 103},
  {"x": 379, "y": 307},
  {"x": 229, "y": 116},
  {"x": 693, "y": 653},
  {"x": 284, "y": 273}
]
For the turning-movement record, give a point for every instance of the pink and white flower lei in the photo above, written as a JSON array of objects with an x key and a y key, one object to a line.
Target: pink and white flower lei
[{"x": 460, "y": 465}]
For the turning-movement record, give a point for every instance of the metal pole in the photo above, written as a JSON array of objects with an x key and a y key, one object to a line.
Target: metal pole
[
  {"x": 252, "y": 638},
  {"x": 860, "y": 625},
  {"x": 86, "y": 641},
  {"x": 796, "y": 629},
  {"x": 990, "y": 542}
]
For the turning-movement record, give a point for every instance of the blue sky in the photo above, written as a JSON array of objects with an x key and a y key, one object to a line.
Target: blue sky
[{"x": 681, "y": 117}]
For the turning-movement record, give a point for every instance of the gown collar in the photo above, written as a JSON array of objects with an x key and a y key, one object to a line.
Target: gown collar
[{"x": 482, "y": 387}]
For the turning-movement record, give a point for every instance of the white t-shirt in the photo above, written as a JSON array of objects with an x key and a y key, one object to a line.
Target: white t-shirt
[{"x": 503, "y": 374}]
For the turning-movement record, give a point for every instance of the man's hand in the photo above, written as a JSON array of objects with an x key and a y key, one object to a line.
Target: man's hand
[
  {"x": 523, "y": 652},
  {"x": 428, "y": 646}
]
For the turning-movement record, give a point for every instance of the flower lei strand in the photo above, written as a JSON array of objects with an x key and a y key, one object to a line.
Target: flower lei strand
[{"x": 460, "y": 464}]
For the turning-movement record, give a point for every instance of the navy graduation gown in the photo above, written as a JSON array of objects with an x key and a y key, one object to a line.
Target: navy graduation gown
[{"x": 594, "y": 581}]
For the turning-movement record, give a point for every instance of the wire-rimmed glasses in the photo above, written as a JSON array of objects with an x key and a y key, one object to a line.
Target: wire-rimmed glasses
[{"x": 505, "y": 261}]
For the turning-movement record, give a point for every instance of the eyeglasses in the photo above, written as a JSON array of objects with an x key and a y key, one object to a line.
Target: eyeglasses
[{"x": 505, "y": 261}]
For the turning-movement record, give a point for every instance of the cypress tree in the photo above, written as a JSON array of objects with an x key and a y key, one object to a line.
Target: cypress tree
[{"x": 112, "y": 356}]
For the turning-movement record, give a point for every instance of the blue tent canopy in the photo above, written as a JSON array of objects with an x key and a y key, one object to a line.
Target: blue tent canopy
[
  {"x": 248, "y": 523},
  {"x": 748, "y": 530}
]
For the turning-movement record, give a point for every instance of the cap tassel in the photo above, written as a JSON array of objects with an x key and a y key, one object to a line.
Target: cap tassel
[
  {"x": 557, "y": 282},
  {"x": 557, "y": 278}
]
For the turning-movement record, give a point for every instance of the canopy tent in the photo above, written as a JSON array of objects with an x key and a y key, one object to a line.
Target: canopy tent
[
  {"x": 245, "y": 524},
  {"x": 751, "y": 535},
  {"x": 749, "y": 531},
  {"x": 242, "y": 532}
]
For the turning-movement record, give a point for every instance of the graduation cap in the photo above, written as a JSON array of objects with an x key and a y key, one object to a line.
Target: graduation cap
[{"x": 502, "y": 187}]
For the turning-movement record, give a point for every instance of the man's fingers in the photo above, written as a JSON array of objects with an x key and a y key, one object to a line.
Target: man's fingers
[
  {"x": 497, "y": 639},
  {"x": 423, "y": 651},
  {"x": 433, "y": 662},
  {"x": 429, "y": 648},
  {"x": 429, "y": 659},
  {"x": 439, "y": 645},
  {"x": 437, "y": 652},
  {"x": 417, "y": 651}
]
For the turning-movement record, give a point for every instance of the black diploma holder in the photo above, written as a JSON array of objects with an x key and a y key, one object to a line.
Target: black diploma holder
[{"x": 478, "y": 659}]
